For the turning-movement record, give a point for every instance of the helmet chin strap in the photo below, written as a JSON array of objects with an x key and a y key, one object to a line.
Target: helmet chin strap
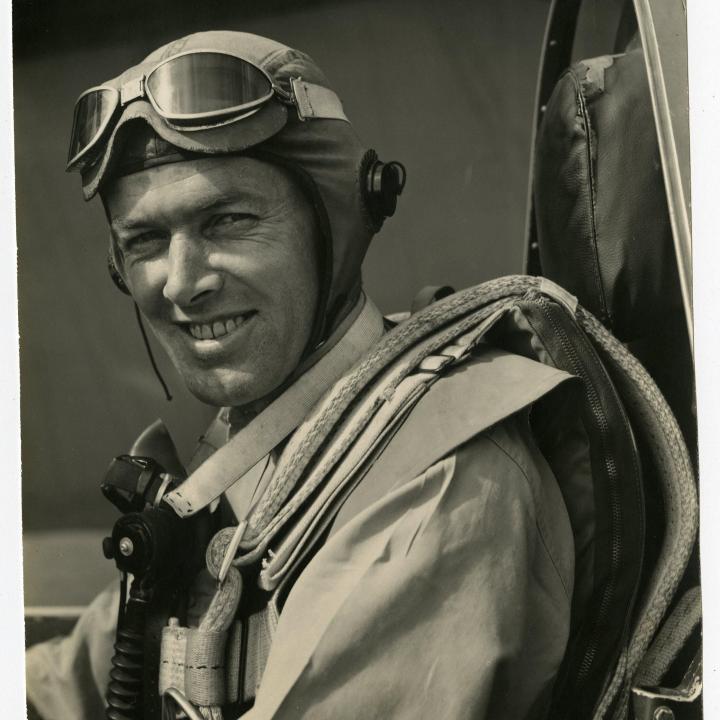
[
  {"x": 155, "y": 368},
  {"x": 120, "y": 285}
]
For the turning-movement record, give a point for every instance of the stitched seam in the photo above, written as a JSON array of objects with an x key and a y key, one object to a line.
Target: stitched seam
[
  {"x": 585, "y": 118},
  {"x": 537, "y": 524}
]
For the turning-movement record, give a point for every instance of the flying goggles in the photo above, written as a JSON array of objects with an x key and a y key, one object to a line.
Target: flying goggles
[{"x": 192, "y": 91}]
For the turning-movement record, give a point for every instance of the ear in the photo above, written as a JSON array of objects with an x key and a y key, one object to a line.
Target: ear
[
  {"x": 112, "y": 256},
  {"x": 115, "y": 275}
]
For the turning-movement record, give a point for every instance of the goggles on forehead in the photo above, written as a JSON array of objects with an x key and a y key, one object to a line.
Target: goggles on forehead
[{"x": 193, "y": 90}]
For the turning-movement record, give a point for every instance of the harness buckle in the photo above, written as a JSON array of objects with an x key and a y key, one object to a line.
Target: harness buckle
[{"x": 300, "y": 97}]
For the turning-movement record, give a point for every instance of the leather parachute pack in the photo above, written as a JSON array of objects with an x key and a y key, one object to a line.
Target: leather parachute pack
[
  {"x": 603, "y": 228},
  {"x": 358, "y": 435},
  {"x": 603, "y": 231}
]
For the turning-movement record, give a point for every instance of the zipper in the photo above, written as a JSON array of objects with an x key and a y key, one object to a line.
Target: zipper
[{"x": 612, "y": 475}]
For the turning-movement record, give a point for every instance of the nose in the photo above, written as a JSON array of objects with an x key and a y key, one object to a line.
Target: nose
[{"x": 189, "y": 278}]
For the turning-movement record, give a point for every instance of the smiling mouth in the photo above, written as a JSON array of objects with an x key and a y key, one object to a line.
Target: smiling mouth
[{"x": 218, "y": 328}]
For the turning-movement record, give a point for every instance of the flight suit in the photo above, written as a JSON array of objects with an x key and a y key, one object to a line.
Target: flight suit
[{"x": 438, "y": 592}]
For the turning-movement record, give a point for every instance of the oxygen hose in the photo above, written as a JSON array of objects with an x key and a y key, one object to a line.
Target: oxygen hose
[
  {"x": 153, "y": 545},
  {"x": 125, "y": 691}
]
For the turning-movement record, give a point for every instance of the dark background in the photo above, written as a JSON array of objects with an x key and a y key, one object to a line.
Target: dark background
[{"x": 445, "y": 87}]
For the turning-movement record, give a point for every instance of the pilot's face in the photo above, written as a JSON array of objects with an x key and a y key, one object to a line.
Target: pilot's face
[{"x": 220, "y": 256}]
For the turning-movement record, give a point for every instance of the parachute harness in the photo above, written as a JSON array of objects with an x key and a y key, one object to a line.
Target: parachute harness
[{"x": 420, "y": 347}]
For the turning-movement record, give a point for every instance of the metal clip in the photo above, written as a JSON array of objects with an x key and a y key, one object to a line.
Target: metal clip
[
  {"x": 265, "y": 562},
  {"x": 301, "y": 99},
  {"x": 173, "y": 699}
]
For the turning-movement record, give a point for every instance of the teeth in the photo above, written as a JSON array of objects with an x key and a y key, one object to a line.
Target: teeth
[{"x": 218, "y": 329}]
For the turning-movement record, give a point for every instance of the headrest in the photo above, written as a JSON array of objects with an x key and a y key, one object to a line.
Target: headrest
[{"x": 603, "y": 227}]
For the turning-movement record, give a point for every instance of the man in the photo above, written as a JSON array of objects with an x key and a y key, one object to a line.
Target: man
[{"x": 417, "y": 559}]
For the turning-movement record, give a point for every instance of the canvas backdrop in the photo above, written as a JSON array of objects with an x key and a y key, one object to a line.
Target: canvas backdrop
[{"x": 445, "y": 87}]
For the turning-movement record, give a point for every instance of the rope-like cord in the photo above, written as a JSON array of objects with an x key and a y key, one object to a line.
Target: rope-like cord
[
  {"x": 651, "y": 415},
  {"x": 671, "y": 639},
  {"x": 220, "y": 614}
]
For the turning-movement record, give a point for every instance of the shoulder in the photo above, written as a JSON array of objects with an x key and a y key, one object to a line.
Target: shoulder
[
  {"x": 470, "y": 401},
  {"x": 506, "y": 458}
]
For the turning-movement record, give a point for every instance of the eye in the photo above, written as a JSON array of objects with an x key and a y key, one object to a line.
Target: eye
[
  {"x": 232, "y": 222},
  {"x": 142, "y": 243}
]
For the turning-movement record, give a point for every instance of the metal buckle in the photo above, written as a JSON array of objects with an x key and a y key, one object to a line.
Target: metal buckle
[
  {"x": 172, "y": 701},
  {"x": 301, "y": 99},
  {"x": 680, "y": 703}
]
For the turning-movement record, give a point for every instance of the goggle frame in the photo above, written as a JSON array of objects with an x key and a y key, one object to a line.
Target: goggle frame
[{"x": 137, "y": 89}]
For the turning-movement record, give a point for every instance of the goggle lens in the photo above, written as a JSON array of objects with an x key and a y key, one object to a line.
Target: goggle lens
[
  {"x": 92, "y": 112},
  {"x": 203, "y": 83},
  {"x": 186, "y": 90}
]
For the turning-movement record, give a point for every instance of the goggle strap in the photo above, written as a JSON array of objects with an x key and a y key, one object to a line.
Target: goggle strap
[
  {"x": 132, "y": 90},
  {"x": 314, "y": 102}
]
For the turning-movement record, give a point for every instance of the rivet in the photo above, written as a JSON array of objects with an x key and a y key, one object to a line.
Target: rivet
[
  {"x": 663, "y": 713},
  {"x": 126, "y": 546}
]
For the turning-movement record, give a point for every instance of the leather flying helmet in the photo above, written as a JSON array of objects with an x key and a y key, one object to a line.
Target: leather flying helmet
[{"x": 257, "y": 97}]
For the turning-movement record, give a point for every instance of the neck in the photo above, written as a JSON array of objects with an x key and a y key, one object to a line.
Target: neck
[{"x": 240, "y": 416}]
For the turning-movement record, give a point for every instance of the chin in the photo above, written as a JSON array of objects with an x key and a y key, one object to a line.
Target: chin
[{"x": 229, "y": 389}]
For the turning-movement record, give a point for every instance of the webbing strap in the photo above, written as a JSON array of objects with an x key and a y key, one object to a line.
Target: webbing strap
[
  {"x": 261, "y": 628},
  {"x": 193, "y": 661},
  {"x": 316, "y": 102},
  {"x": 249, "y": 487},
  {"x": 278, "y": 420}
]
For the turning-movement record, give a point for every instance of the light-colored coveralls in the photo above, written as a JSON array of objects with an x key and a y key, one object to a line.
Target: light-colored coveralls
[{"x": 443, "y": 596}]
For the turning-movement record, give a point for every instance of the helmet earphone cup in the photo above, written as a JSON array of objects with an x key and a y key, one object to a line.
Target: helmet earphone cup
[
  {"x": 123, "y": 288},
  {"x": 382, "y": 184}
]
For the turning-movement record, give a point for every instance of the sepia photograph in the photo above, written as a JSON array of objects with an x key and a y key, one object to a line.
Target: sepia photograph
[{"x": 357, "y": 360}]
